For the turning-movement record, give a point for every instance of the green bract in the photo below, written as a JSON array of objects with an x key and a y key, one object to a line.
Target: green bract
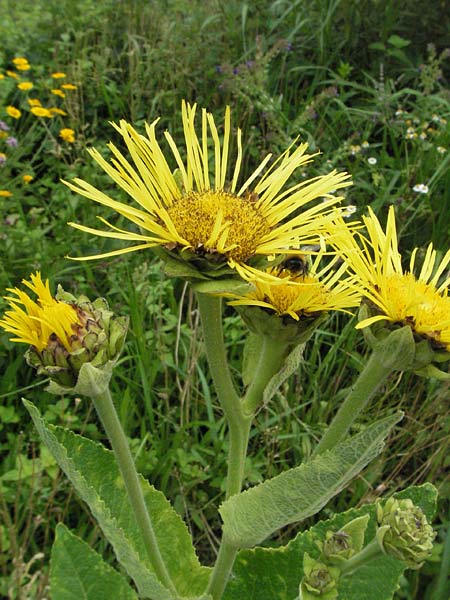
[{"x": 404, "y": 532}]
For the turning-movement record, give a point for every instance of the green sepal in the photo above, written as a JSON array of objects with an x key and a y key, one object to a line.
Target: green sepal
[{"x": 280, "y": 328}]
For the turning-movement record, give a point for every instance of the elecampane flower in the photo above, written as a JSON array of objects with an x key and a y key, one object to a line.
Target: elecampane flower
[
  {"x": 198, "y": 208},
  {"x": 302, "y": 292},
  {"x": 25, "y": 86},
  {"x": 39, "y": 111},
  {"x": 34, "y": 322},
  {"x": 399, "y": 295}
]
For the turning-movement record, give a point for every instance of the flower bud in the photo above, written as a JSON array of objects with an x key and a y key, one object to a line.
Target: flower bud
[
  {"x": 404, "y": 532},
  {"x": 320, "y": 580}
]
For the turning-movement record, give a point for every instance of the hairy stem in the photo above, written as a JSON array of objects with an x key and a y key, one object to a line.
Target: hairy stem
[{"x": 110, "y": 421}]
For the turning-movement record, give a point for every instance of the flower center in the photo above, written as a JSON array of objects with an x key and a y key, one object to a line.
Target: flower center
[
  {"x": 219, "y": 222},
  {"x": 287, "y": 297}
]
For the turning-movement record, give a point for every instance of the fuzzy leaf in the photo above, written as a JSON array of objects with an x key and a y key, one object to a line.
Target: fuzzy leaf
[
  {"x": 78, "y": 573},
  {"x": 95, "y": 475},
  {"x": 291, "y": 364},
  {"x": 275, "y": 573},
  {"x": 251, "y": 516}
]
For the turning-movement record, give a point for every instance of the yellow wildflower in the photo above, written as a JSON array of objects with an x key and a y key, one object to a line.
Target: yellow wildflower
[
  {"x": 58, "y": 75},
  {"x": 39, "y": 111},
  {"x": 12, "y": 74},
  {"x": 36, "y": 322},
  {"x": 5, "y": 194},
  {"x": 69, "y": 86},
  {"x": 34, "y": 102},
  {"x": 59, "y": 93},
  {"x": 20, "y": 60},
  {"x": 13, "y": 112},
  {"x": 397, "y": 295},
  {"x": 2, "y": 76},
  {"x": 57, "y": 111},
  {"x": 25, "y": 86},
  {"x": 24, "y": 67},
  {"x": 68, "y": 135},
  {"x": 201, "y": 212},
  {"x": 27, "y": 178}
]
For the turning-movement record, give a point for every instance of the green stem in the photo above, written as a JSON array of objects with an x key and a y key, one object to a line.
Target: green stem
[
  {"x": 374, "y": 374},
  {"x": 271, "y": 360},
  {"x": 110, "y": 421},
  {"x": 367, "y": 554}
]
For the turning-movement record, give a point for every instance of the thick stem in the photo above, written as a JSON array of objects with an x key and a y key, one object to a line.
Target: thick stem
[
  {"x": 374, "y": 374},
  {"x": 110, "y": 421},
  {"x": 270, "y": 362},
  {"x": 367, "y": 554}
]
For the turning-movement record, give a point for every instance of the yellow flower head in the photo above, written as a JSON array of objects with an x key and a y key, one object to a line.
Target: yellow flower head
[
  {"x": 34, "y": 102},
  {"x": 27, "y": 178},
  {"x": 39, "y": 111},
  {"x": 58, "y": 75},
  {"x": 397, "y": 295},
  {"x": 37, "y": 322},
  {"x": 57, "y": 111},
  {"x": 59, "y": 93},
  {"x": 13, "y": 112},
  {"x": 203, "y": 208},
  {"x": 12, "y": 74},
  {"x": 299, "y": 290},
  {"x": 5, "y": 194},
  {"x": 23, "y": 67},
  {"x": 68, "y": 135},
  {"x": 20, "y": 60},
  {"x": 25, "y": 86},
  {"x": 2, "y": 76},
  {"x": 68, "y": 86}
]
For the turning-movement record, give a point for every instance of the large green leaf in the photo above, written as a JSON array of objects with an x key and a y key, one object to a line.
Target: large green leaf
[
  {"x": 251, "y": 516},
  {"x": 78, "y": 573},
  {"x": 94, "y": 473},
  {"x": 275, "y": 573}
]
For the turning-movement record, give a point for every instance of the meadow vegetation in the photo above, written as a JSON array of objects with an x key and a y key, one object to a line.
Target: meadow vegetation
[{"x": 366, "y": 84}]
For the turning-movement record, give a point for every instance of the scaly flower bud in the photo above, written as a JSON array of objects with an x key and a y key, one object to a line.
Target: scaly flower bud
[
  {"x": 63, "y": 332},
  {"x": 320, "y": 580},
  {"x": 404, "y": 532}
]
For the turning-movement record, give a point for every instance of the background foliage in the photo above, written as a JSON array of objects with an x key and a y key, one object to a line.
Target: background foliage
[{"x": 366, "y": 84}]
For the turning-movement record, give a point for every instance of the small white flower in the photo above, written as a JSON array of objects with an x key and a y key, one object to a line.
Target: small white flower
[
  {"x": 441, "y": 149},
  {"x": 421, "y": 188},
  {"x": 365, "y": 144},
  {"x": 372, "y": 160},
  {"x": 349, "y": 211},
  {"x": 423, "y": 135}
]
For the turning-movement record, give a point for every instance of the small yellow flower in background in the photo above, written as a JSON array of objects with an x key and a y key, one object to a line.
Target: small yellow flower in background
[
  {"x": 12, "y": 74},
  {"x": 69, "y": 86},
  {"x": 3, "y": 155},
  {"x": 26, "y": 85},
  {"x": 20, "y": 60},
  {"x": 13, "y": 112},
  {"x": 5, "y": 194},
  {"x": 35, "y": 323},
  {"x": 202, "y": 211},
  {"x": 27, "y": 178},
  {"x": 2, "y": 76},
  {"x": 57, "y": 111},
  {"x": 34, "y": 102},
  {"x": 58, "y": 75},
  {"x": 59, "y": 93},
  {"x": 3, "y": 135},
  {"x": 23, "y": 67},
  {"x": 397, "y": 295},
  {"x": 68, "y": 135},
  {"x": 39, "y": 111},
  {"x": 301, "y": 291}
]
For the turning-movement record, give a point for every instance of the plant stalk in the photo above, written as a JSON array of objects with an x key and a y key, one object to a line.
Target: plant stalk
[
  {"x": 367, "y": 554},
  {"x": 113, "y": 428},
  {"x": 370, "y": 379}
]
